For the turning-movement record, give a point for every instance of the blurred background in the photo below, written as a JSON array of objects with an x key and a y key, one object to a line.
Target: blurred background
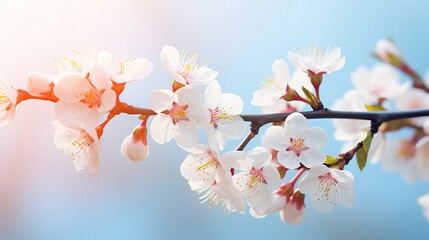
[{"x": 41, "y": 195}]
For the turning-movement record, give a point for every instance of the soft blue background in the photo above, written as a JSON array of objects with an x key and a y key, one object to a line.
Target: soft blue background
[{"x": 151, "y": 200}]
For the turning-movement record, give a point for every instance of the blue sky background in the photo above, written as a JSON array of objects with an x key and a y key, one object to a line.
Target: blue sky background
[{"x": 44, "y": 198}]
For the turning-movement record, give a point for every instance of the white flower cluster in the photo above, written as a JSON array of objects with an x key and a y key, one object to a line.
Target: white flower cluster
[{"x": 87, "y": 88}]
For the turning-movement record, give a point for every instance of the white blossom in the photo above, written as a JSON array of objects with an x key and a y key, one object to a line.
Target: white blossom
[
  {"x": 326, "y": 187},
  {"x": 296, "y": 142}
]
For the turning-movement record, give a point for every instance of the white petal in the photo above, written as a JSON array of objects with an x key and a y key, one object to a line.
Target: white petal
[
  {"x": 76, "y": 115},
  {"x": 312, "y": 157},
  {"x": 288, "y": 159},
  {"x": 108, "y": 101},
  {"x": 69, "y": 88},
  {"x": 232, "y": 159},
  {"x": 202, "y": 75},
  {"x": 272, "y": 177},
  {"x": 161, "y": 129},
  {"x": 212, "y": 95},
  {"x": 316, "y": 137},
  {"x": 185, "y": 134},
  {"x": 295, "y": 123},
  {"x": 161, "y": 100},
  {"x": 260, "y": 156},
  {"x": 170, "y": 58},
  {"x": 275, "y": 139}
]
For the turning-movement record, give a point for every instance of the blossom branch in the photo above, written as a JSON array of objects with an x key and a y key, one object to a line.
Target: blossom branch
[{"x": 379, "y": 117}]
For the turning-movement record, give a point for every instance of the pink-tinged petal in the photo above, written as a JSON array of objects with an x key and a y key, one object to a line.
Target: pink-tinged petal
[
  {"x": 290, "y": 214},
  {"x": 170, "y": 58},
  {"x": 76, "y": 115},
  {"x": 70, "y": 88},
  {"x": 316, "y": 137},
  {"x": 161, "y": 129},
  {"x": 319, "y": 170},
  {"x": 288, "y": 159},
  {"x": 260, "y": 157},
  {"x": 233, "y": 159},
  {"x": 108, "y": 101},
  {"x": 295, "y": 123},
  {"x": 275, "y": 139},
  {"x": 202, "y": 76},
  {"x": 272, "y": 177},
  {"x": 255, "y": 214},
  {"x": 185, "y": 134},
  {"x": 134, "y": 151},
  {"x": 101, "y": 78},
  {"x": 212, "y": 95},
  {"x": 39, "y": 83},
  {"x": 323, "y": 200},
  {"x": 161, "y": 100},
  {"x": 312, "y": 157}
]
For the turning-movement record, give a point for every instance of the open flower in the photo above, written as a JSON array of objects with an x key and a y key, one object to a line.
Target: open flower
[
  {"x": 314, "y": 61},
  {"x": 326, "y": 187},
  {"x": 80, "y": 97},
  {"x": 8, "y": 97},
  {"x": 185, "y": 69},
  {"x": 222, "y": 192},
  {"x": 380, "y": 82},
  {"x": 203, "y": 164},
  {"x": 224, "y": 108},
  {"x": 297, "y": 143},
  {"x": 275, "y": 87},
  {"x": 257, "y": 178},
  {"x": 179, "y": 115},
  {"x": 82, "y": 144},
  {"x": 124, "y": 70}
]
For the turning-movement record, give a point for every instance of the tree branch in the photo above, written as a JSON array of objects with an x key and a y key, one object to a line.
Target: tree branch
[{"x": 377, "y": 116}]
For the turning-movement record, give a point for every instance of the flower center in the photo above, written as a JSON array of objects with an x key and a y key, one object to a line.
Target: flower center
[
  {"x": 92, "y": 98},
  {"x": 179, "y": 113},
  {"x": 297, "y": 146},
  {"x": 219, "y": 114},
  {"x": 78, "y": 143},
  {"x": 256, "y": 177},
  {"x": 208, "y": 162},
  {"x": 326, "y": 182},
  {"x": 187, "y": 64},
  {"x": 4, "y": 100}
]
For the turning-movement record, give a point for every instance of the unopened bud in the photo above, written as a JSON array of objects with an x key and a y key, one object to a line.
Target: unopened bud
[
  {"x": 40, "y": 83},
  {"x": 388, "y": 52}
]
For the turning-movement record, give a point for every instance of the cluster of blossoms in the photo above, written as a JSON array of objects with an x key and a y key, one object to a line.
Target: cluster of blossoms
[{"x": 87, "y": 88}]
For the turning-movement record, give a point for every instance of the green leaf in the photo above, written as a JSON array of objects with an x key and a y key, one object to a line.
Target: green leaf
[
  {"x": 362, "y": 153},
  {"x": 373, "y": 108},
  {"x": 331, "y": 160}
]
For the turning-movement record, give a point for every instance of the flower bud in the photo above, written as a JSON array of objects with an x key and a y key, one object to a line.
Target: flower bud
[
  {"x": 135, "y": 145},
  {"x": 294, "y": 210},
  {"x": 40, "y": 83},
  {"x": 388, "y": 52}
]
